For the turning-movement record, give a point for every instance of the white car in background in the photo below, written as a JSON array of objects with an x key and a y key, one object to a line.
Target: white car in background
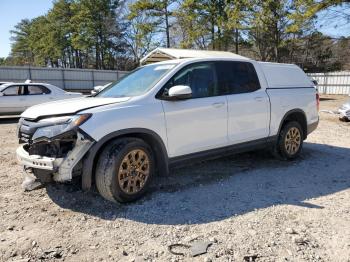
[{"x": 17, "y": 97}]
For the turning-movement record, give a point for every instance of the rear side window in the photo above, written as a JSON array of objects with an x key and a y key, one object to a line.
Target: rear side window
[
  {"x": 36, "y": 90},
  {"x": 236, "y": 77},
  {"x": 12, "y": 91}
]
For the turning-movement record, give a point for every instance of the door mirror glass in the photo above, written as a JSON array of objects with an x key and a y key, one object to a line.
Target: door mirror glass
[{"x": 179, "y": 92}]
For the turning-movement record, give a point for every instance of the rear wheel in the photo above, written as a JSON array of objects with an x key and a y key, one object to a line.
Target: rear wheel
[
  {"x": 290, "y": 141},
  {"x": 124, "y": 170}
]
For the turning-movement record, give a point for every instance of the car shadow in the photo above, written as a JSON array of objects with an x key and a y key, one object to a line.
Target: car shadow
[
  {"x": 327, "y": 98},
  {"x": 218, "y": 189},
  {"x": 9, "y": 119}
]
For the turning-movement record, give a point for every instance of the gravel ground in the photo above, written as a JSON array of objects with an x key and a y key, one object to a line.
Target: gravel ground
[{"x": 251, "y": 207}]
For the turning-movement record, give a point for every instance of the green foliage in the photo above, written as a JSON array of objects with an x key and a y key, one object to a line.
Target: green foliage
[
  {"x": 202, "y": 23},
  {"x": 74, "y": 33},
  {"x": 158, "y": 13},
  {"x": 21, "y": 47},
  {"x": 116, "y": 34},
  {"x": 140, "y": 34}
]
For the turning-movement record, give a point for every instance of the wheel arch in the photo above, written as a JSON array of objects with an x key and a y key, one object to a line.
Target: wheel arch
[
  {"x": 295, "y": 115},
  {"x": 149, "y": 136}
]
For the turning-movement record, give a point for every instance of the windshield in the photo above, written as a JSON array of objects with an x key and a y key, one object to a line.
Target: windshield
[{"x": 137, "y": 82}]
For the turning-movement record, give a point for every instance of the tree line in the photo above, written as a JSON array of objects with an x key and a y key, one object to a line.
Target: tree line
[{"x": 116, "y": 34}]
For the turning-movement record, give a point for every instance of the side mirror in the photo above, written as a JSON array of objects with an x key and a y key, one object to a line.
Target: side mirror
[
  {"x": 179, "y": 92},
  {"x": 1, "y": 94},
  {"x": 97, "y": 88}
]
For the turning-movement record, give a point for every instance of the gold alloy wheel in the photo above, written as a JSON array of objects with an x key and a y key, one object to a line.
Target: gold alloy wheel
[
  {"x": 292, "y": 141},
  {"x": 134, "y": 171}
]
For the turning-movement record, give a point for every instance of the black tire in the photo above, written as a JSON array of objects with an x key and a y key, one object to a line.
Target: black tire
[
  {"x": 281, "y": 150},
  {"x": 109, "y": 164}
]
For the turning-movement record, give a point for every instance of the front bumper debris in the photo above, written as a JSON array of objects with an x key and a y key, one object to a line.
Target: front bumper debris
[
  {"x": 30, "y": 182},
  {"x": 62, "y": 168},
  {"x": 35, "y": 161}
]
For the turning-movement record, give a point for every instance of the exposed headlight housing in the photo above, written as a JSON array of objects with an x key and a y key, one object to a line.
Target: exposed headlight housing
[{"x": 59, "y": 125}]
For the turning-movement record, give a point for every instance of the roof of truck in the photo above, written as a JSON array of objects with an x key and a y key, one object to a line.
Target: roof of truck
[{"x": 164, "y": 54}]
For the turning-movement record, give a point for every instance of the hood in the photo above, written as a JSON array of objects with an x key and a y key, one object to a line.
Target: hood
[{"x": 69, "y": 106}]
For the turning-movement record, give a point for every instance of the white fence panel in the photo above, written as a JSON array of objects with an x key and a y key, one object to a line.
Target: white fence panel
[
  {"x": 86, "y": 79},
  {"x": 333, "y": 82},
  {"x": 65, "y": 78}
]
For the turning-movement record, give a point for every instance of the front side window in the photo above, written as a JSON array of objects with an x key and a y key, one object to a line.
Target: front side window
[
  {"x": 12, "y": 91},
  {"x": 199, "y": 76},
  {"x": 137, "y": 82},
  {"x": 236, "y": 77}
]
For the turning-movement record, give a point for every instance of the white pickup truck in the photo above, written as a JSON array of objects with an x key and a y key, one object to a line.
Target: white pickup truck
[{"x": 164, "y": 114}]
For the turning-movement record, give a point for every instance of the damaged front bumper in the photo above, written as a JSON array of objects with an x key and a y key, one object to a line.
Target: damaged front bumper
[
  {"x": 61, "y": 168},
  {"x": 35, "y": 161}
]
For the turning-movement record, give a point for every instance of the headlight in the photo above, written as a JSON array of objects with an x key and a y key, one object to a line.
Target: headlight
[{"x": 59, "y": 125}]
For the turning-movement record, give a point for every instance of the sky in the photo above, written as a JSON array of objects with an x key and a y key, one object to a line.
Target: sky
[{"x": 13, "y": 11}]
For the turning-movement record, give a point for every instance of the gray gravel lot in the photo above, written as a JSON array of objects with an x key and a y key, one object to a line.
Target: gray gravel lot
[{"x": 250, "y": 206}]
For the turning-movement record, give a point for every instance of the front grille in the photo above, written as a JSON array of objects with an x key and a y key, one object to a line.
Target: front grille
[{"x": 24, "y": 138}]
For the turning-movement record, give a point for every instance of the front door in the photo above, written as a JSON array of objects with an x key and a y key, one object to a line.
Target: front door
[
  {"x": 12, "y": 100},
  {"x": 199, "y": 123}
]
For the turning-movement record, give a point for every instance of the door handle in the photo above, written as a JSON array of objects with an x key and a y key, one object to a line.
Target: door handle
[
  {"x": 21, "y": 99},
  {"x": 218, "y": 104},
  {"x": 259, "y": 98}
]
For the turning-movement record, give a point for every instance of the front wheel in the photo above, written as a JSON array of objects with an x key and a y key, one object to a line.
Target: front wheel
[
  {"x": 290, "y": 141},
  {"x": 124, "y": 170}
]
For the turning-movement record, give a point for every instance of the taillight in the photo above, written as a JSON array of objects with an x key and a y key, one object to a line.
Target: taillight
[{"x": 318, "y": 101}]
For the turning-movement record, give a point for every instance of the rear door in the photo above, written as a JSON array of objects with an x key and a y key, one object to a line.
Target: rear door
[
  {"x": 36, "y": 94},
  {"x": 248, "y": 104},
  {"x": 12, "y": 100},
  {"x": 199, "y": 123}
]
